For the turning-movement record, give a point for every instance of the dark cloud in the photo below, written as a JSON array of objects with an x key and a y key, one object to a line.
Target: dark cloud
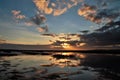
[
  {"x": 108, "y": 26},
  {"x": 66, "y": 38},
  {"x": 108, "y": 35},
  {"x": 72, "y": 40},
  {"x": 85, "y": 31},
  {"x": 59, "y": 43},
  {"x": 49, "y": 35},
  {"x": 61, "y": 40},
  {"x": 61, "y": 35},
  {"x": 38, "y": 19},
  {"x": 72, "y": 34},
  {"x": 73, "y": 43},
  {"x": 109, "y": 17}
]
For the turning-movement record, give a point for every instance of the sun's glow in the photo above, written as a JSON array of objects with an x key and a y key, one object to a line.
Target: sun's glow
[
  {"x": 65, "y": 45},
  {"x": 64, "y": 53}
]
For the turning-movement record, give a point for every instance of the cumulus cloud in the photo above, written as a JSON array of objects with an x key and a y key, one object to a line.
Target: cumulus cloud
[
  {"x": 17, "y": 14},
  {"x": 57, "y": 7},
  {"x": 42, "y": 6}
]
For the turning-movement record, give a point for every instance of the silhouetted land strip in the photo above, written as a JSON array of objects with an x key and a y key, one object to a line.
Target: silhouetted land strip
[{"x": 117, "y": 51}]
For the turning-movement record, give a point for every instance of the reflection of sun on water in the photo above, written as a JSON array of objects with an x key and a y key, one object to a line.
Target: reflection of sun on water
[
  {"x": 68, "y": 59},
  {"x": 64, "y": 53}
]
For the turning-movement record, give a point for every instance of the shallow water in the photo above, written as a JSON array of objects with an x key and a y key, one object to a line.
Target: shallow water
[{"x": 60, "y": 66}]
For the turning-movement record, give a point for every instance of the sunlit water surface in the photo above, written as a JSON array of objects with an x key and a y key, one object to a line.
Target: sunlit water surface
[{"x": 60, "y": 66}]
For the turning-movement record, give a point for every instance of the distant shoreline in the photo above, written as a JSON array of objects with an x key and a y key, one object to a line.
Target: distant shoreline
[{"x": 116, "y": 51}]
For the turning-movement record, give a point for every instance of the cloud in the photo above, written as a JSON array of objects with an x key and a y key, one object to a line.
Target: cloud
[
  {"x": 17, "y": 14},
  {"x": 48, "y": 10},
  {"x": 2, "y": 40},
  {"x": 38, "y": 19},
  {"x": 98, "y": 15},
  {"x": 42, "y": 6},
  {"x": 106, "y": 35},
  {"x": 29, "y": 23},
  {"x": 58, "y": 12},
  {"x": 43, "y": 29},
  {"x": 89, "y": 13},
  {"x": 53, "y": 4},
  {"x": 49, "y": 34},
  {"x": 86, "y": 10},
  {"x": 81, "y": 44},
  {"x": 57, "y": 7},
  {"x": 73, "y": 3},
  {"x": 108, "y": 26},
  {"x": 59, "y": 39},
  {"x": 72, "y": 43},
  {"x": 85, "y": 31}
]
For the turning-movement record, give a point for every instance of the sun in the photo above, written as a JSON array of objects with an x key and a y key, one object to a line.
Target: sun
[
  {"x": 65, "y": 45},
  {"x": 68, "y": 46}
]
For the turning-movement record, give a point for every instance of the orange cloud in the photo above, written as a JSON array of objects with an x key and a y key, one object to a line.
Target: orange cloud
[
  {"x": 48, "y": 10},
  {"x": 86, "y": 10},
  {"x": 56, "y": 8},
  {"x": 42, "y": 5},
  {"x": 90, "y": 13},
  {"x": 43, "y": 29},
  {"x": 17, "y": 14},
  {"x": 20, "y": 16},
  {"x": 58, "y": 12}
]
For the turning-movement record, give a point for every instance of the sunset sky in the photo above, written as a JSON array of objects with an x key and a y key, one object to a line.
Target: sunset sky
[{"x": 61, "y": 23}]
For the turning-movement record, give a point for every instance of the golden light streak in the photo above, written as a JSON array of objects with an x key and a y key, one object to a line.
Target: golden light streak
[{"x": 65, "y": 45}]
